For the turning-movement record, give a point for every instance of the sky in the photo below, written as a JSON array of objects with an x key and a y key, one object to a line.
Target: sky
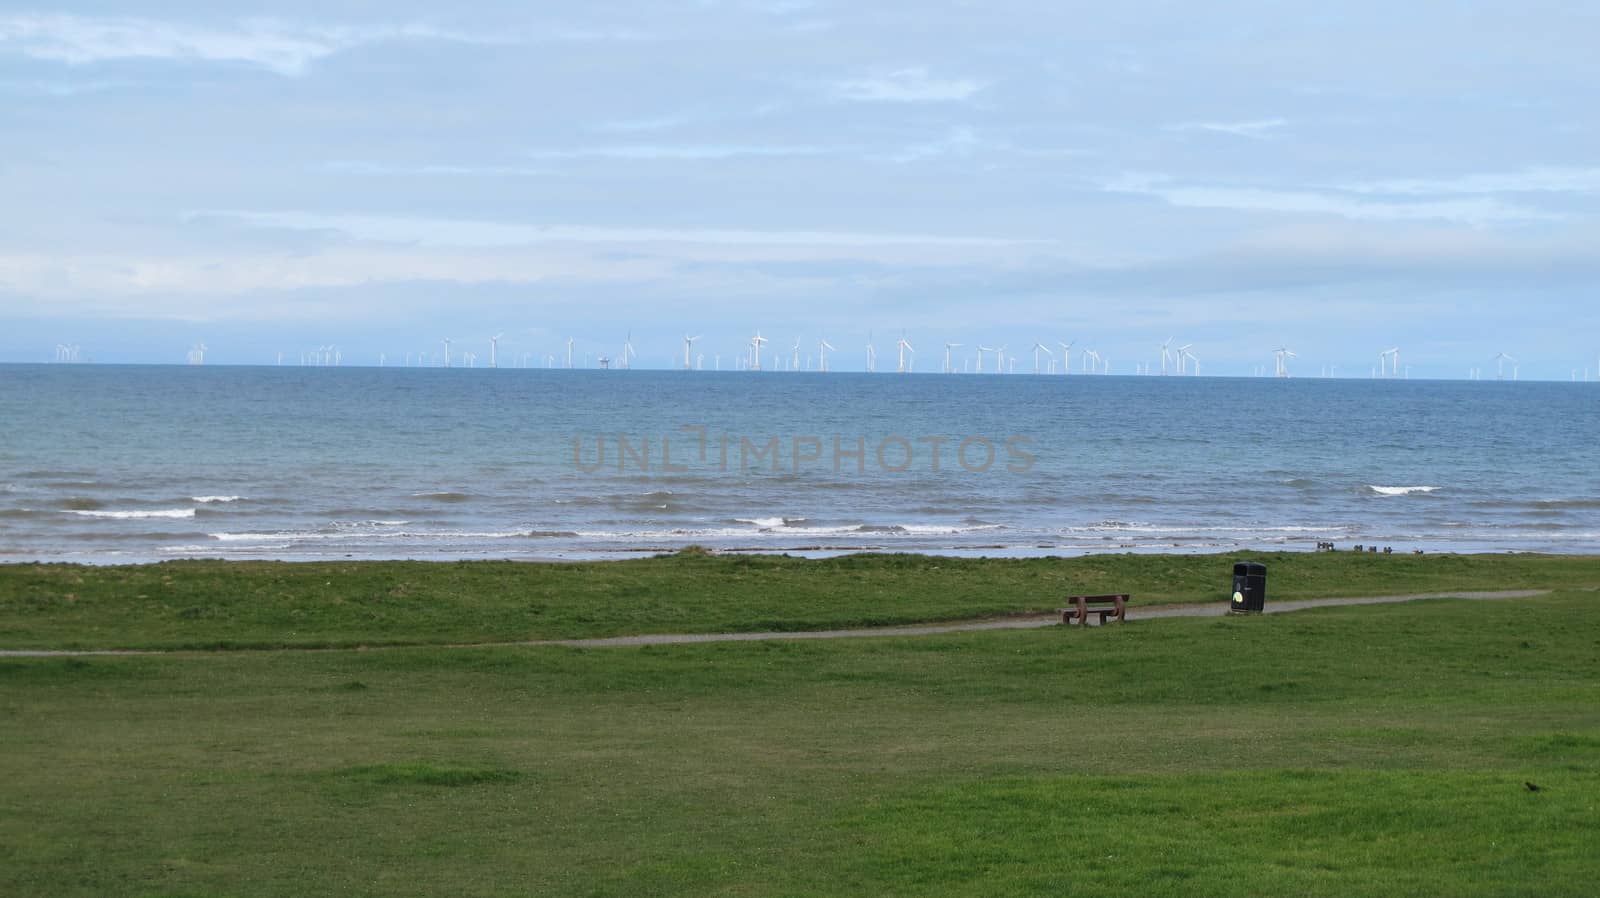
[{"x": 1337, "y": 179}]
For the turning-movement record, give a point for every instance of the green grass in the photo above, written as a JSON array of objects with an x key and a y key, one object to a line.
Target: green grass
[
  {"x": 1350, "y": 751},
  {"x": 211, "y": 604}
]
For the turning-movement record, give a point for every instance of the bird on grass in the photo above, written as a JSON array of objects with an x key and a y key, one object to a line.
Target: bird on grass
[{"x": 1531, "y": 787}]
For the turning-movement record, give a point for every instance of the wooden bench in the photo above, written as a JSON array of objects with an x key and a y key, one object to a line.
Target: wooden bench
[{"x": 1105, "y": 606}]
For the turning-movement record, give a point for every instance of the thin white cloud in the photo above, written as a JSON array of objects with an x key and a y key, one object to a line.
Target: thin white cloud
[
  {"x": 1475, "y": 211},
  {"x": 1258, "y": 129},
  {"x": 911, "y": 85},
  {"x": 377, "y": 168},
  {"x": 687, "y": 152},
  {"x": 473, "y": 233},
  {"x": 1530, "y": 180},
  {"x": 276, "y": 46},
  {"x": 959, "y": 142}
]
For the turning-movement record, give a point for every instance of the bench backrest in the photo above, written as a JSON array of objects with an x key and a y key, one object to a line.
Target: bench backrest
[{"x": 1100, "y": 599}]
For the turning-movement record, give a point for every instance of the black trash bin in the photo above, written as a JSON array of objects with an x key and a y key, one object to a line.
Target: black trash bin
[{"x": 1249, "y": 588}]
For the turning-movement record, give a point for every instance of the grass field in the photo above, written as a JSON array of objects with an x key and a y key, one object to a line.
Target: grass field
[
  {"x": 1350, "y": 751},
  {"x": 207, "y": 604}
]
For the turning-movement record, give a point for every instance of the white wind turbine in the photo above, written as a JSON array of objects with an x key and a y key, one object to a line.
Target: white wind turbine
[
  {"x": 947, "y": 348},
  {"x": 446, "y": 342},
  {"x": 755, "y": 350},
  {"x": 494, "y": 350},
  {"x": 1166, "y": 355},
  {"x": 628, "y": 355},
  {"x": 1193, "y": 358},
  {"x": 1183, "y": 354},
  {"x": 794, "y": 363},
  {"x": 872, "y": 354},
  {"x": 1393, "y": 357},
  {"x": 1283, "y": 354},
  {"x": 904, "y": 347},
  {"x": 688, "y": 344},
  {"x": 981, "y": 350},
  {"x": 1500, "y": 365},
  {"x": 569, "y": 352},
  {"x": 1066, "y": 356},
  {"x": 822, "y": 354},
  {"x": 1037, "y": 347},
  {"x": 1000, "y": 360}
]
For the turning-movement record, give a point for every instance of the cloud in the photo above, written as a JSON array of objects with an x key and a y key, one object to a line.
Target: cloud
[
  {"x": 1530, "y": 180},
  {"x": 1475, "y": 211},
  {"x": 912, "y": 85},
  {"x": 440, "y": 170},
  {"x": 1258, "y": 129},
  {"x": 959, "y": 142},
  {"x": 276, "y": 46},
  {"x": 688, "y": 152},
  {"x": 477, "y": 233}
]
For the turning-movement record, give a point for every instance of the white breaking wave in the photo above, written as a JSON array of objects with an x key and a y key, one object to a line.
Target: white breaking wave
[
  {"x": 210, "y": 499},
  {"x": 154, "y": 513},
  {"x": 1400, "y": 490}
]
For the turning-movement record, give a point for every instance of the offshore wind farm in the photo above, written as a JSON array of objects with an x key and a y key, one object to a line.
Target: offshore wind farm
[{"x": 1048, "y": 358}]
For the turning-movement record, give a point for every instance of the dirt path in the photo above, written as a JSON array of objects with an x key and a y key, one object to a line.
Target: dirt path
[{"x": 1212, "y": 609}]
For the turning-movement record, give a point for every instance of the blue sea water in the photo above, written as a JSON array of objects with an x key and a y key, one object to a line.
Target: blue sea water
[{"x": 143, "y": 463}]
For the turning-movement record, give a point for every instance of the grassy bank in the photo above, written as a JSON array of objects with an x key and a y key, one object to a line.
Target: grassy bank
[
  {"x": 1338, "y": 752},
  {"x": 206, "y": 604}
]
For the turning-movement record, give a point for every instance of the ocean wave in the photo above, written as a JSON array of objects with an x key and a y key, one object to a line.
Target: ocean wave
[
  {"x": 445, "y": 496},
  {"x": 150, "y": 513},
  {"x": 768, "y": 523},
  {"x": 1400, "y": 490},
  {"x": 208, "y": 500}
]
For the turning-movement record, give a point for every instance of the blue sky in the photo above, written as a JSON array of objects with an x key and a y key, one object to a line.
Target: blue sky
[{"x": 378, "y": 176}]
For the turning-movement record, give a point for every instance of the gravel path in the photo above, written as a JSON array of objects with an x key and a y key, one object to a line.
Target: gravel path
[{"x": 1213, "y": 609}]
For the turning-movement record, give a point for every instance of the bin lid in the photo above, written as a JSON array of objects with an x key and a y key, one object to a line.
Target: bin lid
[{"x": 1249, "y": 568}]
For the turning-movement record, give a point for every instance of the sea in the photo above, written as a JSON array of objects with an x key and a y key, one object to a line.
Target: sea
[{"x": 116, "y": 464}]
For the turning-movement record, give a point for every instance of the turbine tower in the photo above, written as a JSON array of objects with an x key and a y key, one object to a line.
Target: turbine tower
[
  {"x": 688, "y": 344},
  {"x": 947, "y": 348},
  {"x": 494, "y": 350},
  {"x": 1500, "y": 365},
  {"x": 822, "y": 354},
  {"x": 755, "y": 351},
  {"x": 1283, "y": 354},
  {"x": 794, "y": 363},
  {"x": 1166, "y": 355},
  {"x": 446, "y": 342},
  {"x": 981, "y": 350},
  {"x": 903, "y": 346},
  {"x": 1066, "y": 356},
  {"x": 569, "y": 352},
  {"x": 1037, "y": 346},
  {"x": 872, "y": 354},
  {"x": 1183, "y": 355}
]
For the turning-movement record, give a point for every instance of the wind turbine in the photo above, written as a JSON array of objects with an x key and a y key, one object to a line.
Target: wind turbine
[
  {"x": 1000, "y": 360},
  {"x": 1283, "y": 355},
  {"x": 872, "y": 354},
  {"x": 794, "y": 363},
  {"x": 1193, "y": 358},
  {"x": 688, "y": 343},
  {"x": 1166, "y": 355},
  {"x": 1500, "y": 365},
  {"x": 1393, "y": 357},
  {"x": 903, "y": 346},
  {"x": 1037, "y": 346},
  {"x": 446, "y": 342},
  {"x": 627, "y": 351},
  {"x": 1066, "y": 356},
  {"x": 822, "y": 354},
  {"x": 755, "y": 348},
  {"x": 569, "y": 352},
  {"x": 1183, "y": 355},
  {"x": 981, "y": 350},
  {"x": 494, "y": 350},
  {"x": 947, "y": 348}
]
